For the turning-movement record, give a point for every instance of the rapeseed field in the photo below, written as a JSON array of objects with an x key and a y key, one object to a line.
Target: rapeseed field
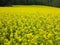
[{"x": 29, "y": 25}]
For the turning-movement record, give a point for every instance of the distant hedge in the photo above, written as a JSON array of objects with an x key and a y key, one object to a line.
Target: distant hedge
[{"x": 30, "y": 2}]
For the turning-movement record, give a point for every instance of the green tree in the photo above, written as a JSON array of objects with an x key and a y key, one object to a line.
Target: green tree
[{"x": 6, "y": 2}]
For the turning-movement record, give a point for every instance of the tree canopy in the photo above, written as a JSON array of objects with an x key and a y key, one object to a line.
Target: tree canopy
[{"x": 30, "y": 2}]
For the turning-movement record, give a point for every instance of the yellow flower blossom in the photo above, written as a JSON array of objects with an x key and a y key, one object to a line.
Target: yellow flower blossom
[{"x": 29, "y": 25}]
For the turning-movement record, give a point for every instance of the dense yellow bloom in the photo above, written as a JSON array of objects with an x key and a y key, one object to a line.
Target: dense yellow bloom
[
  {"x": 33, "y": 25},
  {"x": 29, "y": 35}
]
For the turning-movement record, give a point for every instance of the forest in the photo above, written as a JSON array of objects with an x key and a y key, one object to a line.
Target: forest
[{"x": 30, "y": 2}]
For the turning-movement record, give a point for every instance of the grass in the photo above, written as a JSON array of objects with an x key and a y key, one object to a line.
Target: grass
[{"x": 29, "y": 25}]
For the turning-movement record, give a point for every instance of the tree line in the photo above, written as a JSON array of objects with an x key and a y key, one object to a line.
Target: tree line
[{"x": 30, "y": 2}]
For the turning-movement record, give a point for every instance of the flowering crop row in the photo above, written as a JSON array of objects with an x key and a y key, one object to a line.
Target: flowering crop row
[{"x": 30, "y": 29}]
